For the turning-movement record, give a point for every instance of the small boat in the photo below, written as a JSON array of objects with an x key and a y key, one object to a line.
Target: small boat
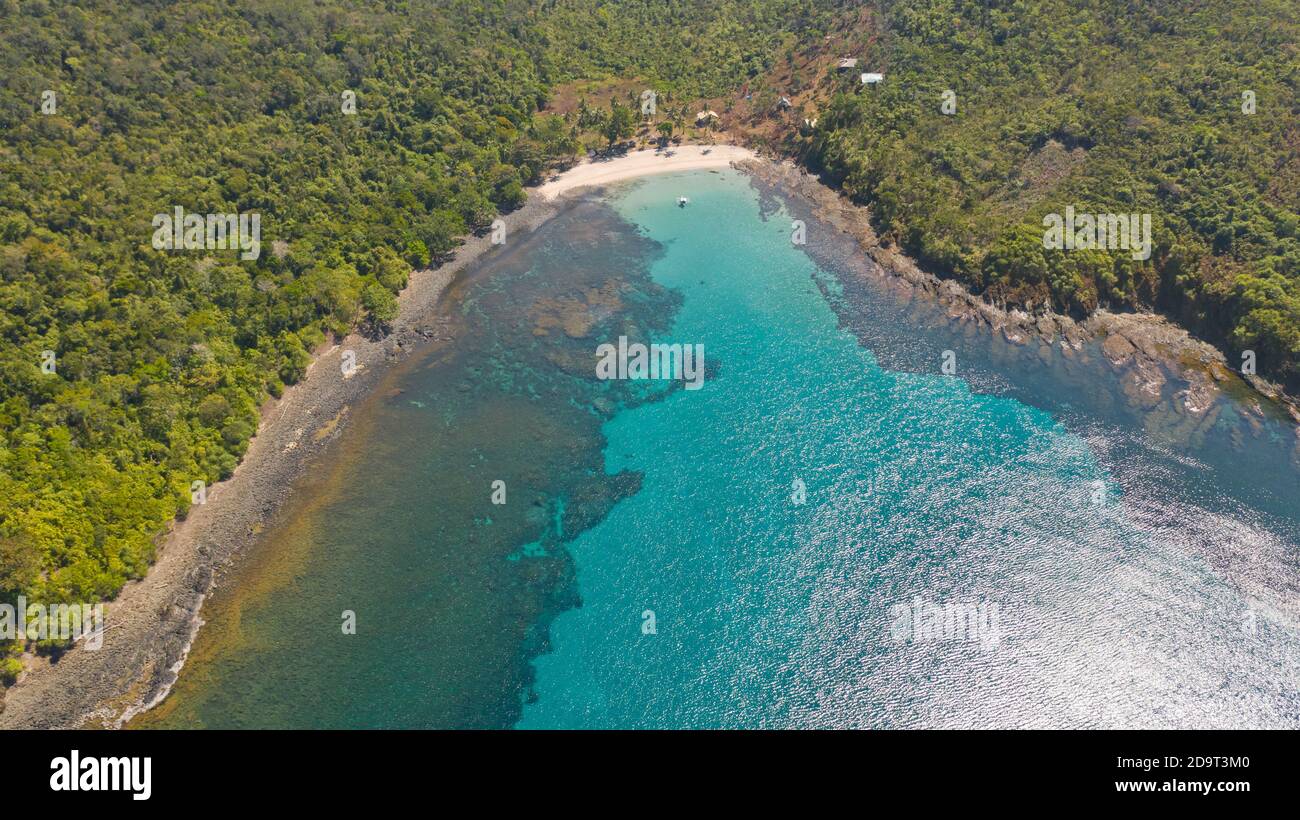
[{"x": 682, "y": 202}]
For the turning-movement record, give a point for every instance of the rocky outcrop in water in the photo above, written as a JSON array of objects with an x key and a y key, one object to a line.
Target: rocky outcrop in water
[{"x": 1149, "y": 350}]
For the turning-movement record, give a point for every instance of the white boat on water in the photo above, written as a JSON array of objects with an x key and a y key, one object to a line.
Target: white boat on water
[{"x": 682, "y": 202}]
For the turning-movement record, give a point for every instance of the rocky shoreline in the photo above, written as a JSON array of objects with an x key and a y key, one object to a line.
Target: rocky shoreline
[
  {"x": 1147, "y": 349},
  {"x": 152, "y": 622}
]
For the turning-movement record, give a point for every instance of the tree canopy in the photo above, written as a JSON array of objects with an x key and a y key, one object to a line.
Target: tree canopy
[{"x": 371, "y": 137}]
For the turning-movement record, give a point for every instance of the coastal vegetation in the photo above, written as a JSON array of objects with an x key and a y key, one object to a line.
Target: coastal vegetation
[
  {"x": 158, "y": 362},
  {"x": 368, "y": 137},
  {"x": 371, "y": 137},
  {"x": 1189, "y": 113}
]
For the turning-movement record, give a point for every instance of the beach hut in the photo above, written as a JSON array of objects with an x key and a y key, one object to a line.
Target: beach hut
[{"x": 705, "y": 117}]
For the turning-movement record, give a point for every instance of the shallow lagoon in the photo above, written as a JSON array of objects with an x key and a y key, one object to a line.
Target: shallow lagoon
[{"x": 1134, "y": 568}]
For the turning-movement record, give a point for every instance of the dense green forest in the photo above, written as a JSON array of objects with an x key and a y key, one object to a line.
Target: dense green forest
[
  {"x": 162, "y": 359},
  {"x": 693, "y": 48},
  {"x": 1112, "y": 107},
  {"x": 113, "y": 111}
]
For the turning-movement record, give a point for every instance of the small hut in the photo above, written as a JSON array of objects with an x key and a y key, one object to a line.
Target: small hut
[{"x": 847, "y": 64}]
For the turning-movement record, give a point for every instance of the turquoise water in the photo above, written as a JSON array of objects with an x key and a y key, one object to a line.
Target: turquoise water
[
  {"x": 830, "y": 533},
  {"x": 772, "y": 613}
]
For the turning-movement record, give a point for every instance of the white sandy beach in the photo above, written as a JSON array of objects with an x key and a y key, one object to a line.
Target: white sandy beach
[{"x": 642, "y": 163}]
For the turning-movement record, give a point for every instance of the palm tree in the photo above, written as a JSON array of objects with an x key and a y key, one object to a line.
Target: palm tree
[{"x": 665, "y": 128}]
